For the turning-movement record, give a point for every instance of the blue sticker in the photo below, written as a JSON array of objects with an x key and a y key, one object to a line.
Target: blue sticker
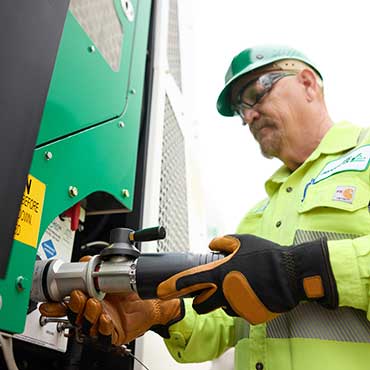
[{"x": 49, "y": 248}]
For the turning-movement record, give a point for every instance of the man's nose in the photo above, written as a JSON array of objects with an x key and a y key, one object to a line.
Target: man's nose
[{"x": 249, "y": 115}]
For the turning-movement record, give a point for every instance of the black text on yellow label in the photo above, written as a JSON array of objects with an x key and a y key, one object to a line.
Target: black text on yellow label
[{"x": 29, "y": 218}]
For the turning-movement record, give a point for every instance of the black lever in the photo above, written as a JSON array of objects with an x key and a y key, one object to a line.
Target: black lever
[{"x": 147, "y": 235}]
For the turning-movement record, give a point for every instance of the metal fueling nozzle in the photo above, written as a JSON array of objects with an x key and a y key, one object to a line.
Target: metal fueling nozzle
[{"x": 120, "y": 268}]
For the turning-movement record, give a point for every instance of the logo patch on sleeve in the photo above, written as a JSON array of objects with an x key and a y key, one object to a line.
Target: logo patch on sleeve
[{"x": 345, "y": 194}]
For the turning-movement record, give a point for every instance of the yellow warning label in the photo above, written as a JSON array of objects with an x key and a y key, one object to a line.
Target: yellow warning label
[{"x": 29, "y": 218}]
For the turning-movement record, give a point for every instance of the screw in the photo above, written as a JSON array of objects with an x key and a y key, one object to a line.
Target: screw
[
  {"x": 91, "y": 49},
  {"x": 19, "y": 283},
  {"x": 73, "y": 191},
  {"x": 121, "y": 124},
  {"x": 125, "y": 193},
  {"x": 48, "y": 155},
  {"x": 133, "y": 91}
]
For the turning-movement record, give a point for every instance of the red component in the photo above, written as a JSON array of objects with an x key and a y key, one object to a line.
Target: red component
[{"x": 74, "y": 214}]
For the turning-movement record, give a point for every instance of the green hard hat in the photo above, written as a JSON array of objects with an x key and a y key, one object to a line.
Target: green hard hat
[{"x": 249, "y": 60}]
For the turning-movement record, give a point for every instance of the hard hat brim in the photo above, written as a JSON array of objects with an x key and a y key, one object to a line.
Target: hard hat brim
[{"x": 223, "y": 102}]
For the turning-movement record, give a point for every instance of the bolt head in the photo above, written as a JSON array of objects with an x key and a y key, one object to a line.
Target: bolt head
[
  {"x": 73, "y": 191},
  {"x": 121, "y": 124},
  {"x": 125, "y": 193},
  {"x": 19, "y": 283},
  {"x": 48, "y": 155},
  {"x": 91, "y": 49}
]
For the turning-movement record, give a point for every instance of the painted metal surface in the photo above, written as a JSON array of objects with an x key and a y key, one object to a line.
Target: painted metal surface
[
  {"x": 30, "y": 34},
  {"x": 82, "y": 142}
]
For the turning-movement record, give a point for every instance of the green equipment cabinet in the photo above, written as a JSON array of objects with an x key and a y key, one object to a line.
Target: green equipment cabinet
[{"x": 71, "y": 102}]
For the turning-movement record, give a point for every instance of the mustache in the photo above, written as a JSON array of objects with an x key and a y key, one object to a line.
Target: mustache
[{"x": 260, "y": 124}]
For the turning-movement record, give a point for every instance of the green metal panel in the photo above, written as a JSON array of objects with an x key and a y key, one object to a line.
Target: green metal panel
[
  {"x": 84, "y": 89},
  {"x": 96, "y": 156}
]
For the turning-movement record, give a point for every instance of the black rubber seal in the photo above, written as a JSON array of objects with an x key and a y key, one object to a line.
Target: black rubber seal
[{"x": 44, "y": 281}]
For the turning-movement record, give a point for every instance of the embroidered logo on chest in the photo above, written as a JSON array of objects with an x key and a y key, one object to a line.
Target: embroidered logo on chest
[{"x": 357, "y": 160}]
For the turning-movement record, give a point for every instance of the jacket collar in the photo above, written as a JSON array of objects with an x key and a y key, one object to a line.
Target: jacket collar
[{"x": 342, "y": 136}]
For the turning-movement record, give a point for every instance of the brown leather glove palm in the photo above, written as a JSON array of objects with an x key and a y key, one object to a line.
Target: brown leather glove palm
[{"x": 117, "y": 319}]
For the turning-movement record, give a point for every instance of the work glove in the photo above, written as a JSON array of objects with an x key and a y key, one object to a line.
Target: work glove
[
  {"x": 258, "y": 279},
  {"x": 117, "y": 319}
]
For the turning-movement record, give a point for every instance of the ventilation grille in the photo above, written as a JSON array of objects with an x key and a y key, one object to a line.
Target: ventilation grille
[
  {"x": 100, "y": 21},
  {"x": 173, "y": 47},
  {"x": 173, "y": 209}
]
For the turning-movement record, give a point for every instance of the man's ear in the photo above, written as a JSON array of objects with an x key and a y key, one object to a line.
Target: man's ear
[{"x": 309, "y": 80}]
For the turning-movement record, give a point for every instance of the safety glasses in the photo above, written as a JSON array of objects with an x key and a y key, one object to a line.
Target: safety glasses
[{"x": 254, "y": 91}]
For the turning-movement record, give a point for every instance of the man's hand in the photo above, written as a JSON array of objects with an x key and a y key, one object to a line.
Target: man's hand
[
  {"x": 118, "y": 319},
  {"x": 258, "y": 279}
]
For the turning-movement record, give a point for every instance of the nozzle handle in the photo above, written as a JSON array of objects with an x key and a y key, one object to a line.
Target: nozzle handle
[
  {"x": 153, "y": 268},
  {"x": 147, "y": 235}
]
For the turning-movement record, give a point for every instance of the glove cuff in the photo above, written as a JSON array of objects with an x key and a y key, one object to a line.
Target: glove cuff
[
  {"x": 331, "y": 299},
  {"x": 163, "y": 329},
  {"x": 315, "y": 276}
]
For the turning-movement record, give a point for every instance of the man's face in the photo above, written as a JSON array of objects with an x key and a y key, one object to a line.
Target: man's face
[
  {"x": 267, "y": 133},
  {"x": 273, "y": 120}
]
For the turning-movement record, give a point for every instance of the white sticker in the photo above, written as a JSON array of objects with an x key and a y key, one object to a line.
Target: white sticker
[
  {"x": 345, "y": 193},
  {"x": 357, "y": 160}
]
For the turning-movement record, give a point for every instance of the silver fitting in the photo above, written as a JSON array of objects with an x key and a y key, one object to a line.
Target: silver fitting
[
  {"x": 117, "y": 275},
  {"x": 43, "y": 320},
  {"x": 62, "y": 278}
]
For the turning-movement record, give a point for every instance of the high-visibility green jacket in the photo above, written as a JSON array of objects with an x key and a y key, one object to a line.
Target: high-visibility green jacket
[{"x": 328, "y": 195}]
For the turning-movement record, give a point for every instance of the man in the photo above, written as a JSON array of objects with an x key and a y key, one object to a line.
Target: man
[{"x": 293, "y": 291}]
